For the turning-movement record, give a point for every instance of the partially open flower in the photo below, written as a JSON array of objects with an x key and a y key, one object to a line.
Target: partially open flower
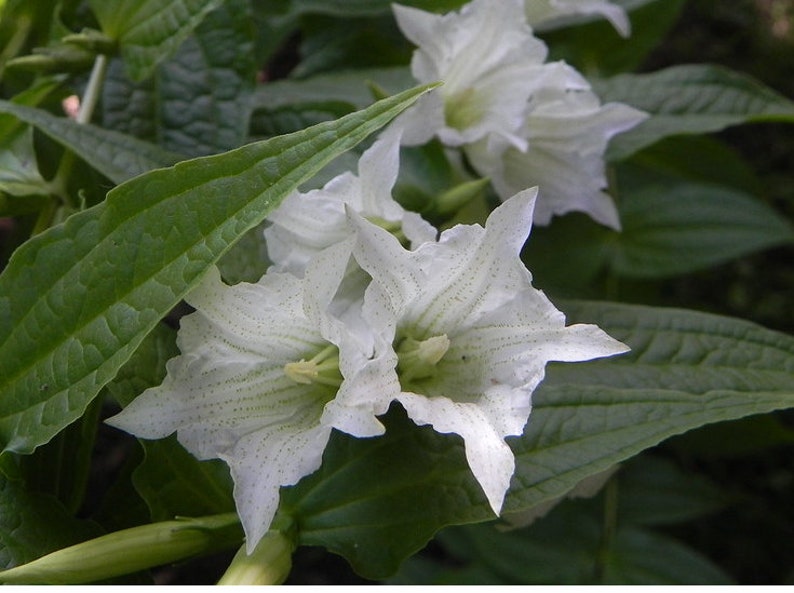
[
  {"x": 486, "y": 56},
  {"x": 305, "y": 224},
  {"x": 567, "y": 130}
]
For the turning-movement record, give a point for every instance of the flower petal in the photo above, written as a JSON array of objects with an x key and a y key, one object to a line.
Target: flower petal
[
  {"x": 490, "y": 459},
  {"x": 544, "y": 14},
  {"x": 485, "y": 54},
  {"x": 275, "y": 455}
]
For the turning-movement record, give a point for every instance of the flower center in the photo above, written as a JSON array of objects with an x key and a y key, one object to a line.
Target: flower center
[
  {"x": 322, "y": 369},
  {"x": 463, "y": 109},
  {"x": 417, "y": 359}
]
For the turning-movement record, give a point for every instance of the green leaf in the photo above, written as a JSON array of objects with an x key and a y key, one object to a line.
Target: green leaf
[
  {"x": 77, "y": 300},
  {"x": 117, "y": 156},
  {"x": 32, "y": 524},
  {"x": 198, "y": 102},
  {"x": 701, "y": 159},
  {"x": 669, "y": 230},
  {"x": 146, "y": 367},
  {"x": 691, "y": 99},
  {"x": 62, "y": 467},
  {"x": 149, "y": 31},
  {"x": 329, "y": 44},
  {"x": 19, "y": 173},
  {"x": 350, "y": 88},
  {"x": 655, "y": 491},
  {"x": 685, "y": 370},
  {"x": 356, "y": 8},
  {"x": 175, "y": 484},
  {"x": 377, "y": 501},
  {"x": 640, "y": 557},
  {"x": 569, "y": 547}
]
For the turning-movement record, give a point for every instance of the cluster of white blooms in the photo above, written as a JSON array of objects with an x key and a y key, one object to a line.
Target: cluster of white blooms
[
  {"x": 520, "y": 120},
  {"x": 366, "y": 304}
]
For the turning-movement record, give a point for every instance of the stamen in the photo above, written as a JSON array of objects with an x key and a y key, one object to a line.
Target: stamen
[
  {"x": 418, "y": 358},
  {"x": 322, "y": 369}
]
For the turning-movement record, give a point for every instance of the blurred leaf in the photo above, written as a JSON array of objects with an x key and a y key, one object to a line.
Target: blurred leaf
[
  {"x": 568, "y": 548},
  {"x": 146, "y": 366},
  {"x": 289, "y": 119},
  {"x": 684, "y": 228},
  {"x": 377, "y": 501},
  {"x": 149, "y": 31},
  {"x": 247, "y": 260},
  {"x": 175, "y": 484},
  {"x": 692, "y": 158},
  {"x": 640, "y": 557},
  {"x": 571, "y": 238},
  {"x": 19, "y": 173},
  {"x": 62, "y": 466},
  {"x": 737, "y": 439},
  {"x": 350, "y": 88},
  {"x": 32, "y": 525},
  {"x": 335, "y": 44},
  {"x": 690, "y": 99},
  {"x": 655, "y": 491},
  {"x": 77, "y": 300},
  {"x": 198, "y": 102},
  {"x": 353, "y": 8},
  {"x": 117, "y": 156},
  {"x": 596, "y": 49}
]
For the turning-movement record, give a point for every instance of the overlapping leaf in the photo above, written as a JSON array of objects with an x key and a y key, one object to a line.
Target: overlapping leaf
[
  {"x": 76, "y": 301},
  {"x": 198, "y": 101},
  {"x": 115, "y": 155},
  {"x": 691, "y": 99},
  {"x": 149, "y": 31},
  {"x": 377, "y": 501}
]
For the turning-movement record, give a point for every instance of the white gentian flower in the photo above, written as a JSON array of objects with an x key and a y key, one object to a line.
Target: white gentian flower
[
  {"x": 472, "y": 335},
  {"x": 488, "y": 60},
  {"x": 542, "y": 14},
  {"x": 305, "y": 224},
  {"x": 567, "y": 130},
  {"x": 264, "y": 375}
]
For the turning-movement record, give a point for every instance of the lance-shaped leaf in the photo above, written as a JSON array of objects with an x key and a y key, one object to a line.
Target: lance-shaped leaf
[
  {"x": 691, "y": 99},
  {"x": 149, "y": 31},
  {"x": 117, "y": 156},
  {"x": 76, "y": 301},
  {"x": 377, "y": 501}
]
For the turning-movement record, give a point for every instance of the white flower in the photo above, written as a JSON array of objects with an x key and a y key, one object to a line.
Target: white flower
[
  {"x": 543, "y": 14},
  {"x": 305, "y": 224},
  {"x": 567, "y": 131},
  {"x": 487, "y": 58},
  {"x": 264, "y": 375},
  {"x": 472, "y": 335}
]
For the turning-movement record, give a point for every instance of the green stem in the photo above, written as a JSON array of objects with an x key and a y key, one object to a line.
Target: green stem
[
  {"x": 268, "y": 564},
  {"x": 21, "y": 29},
  {"x": 93, "y": 90},
  {"x": 610, "y": 528}
]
